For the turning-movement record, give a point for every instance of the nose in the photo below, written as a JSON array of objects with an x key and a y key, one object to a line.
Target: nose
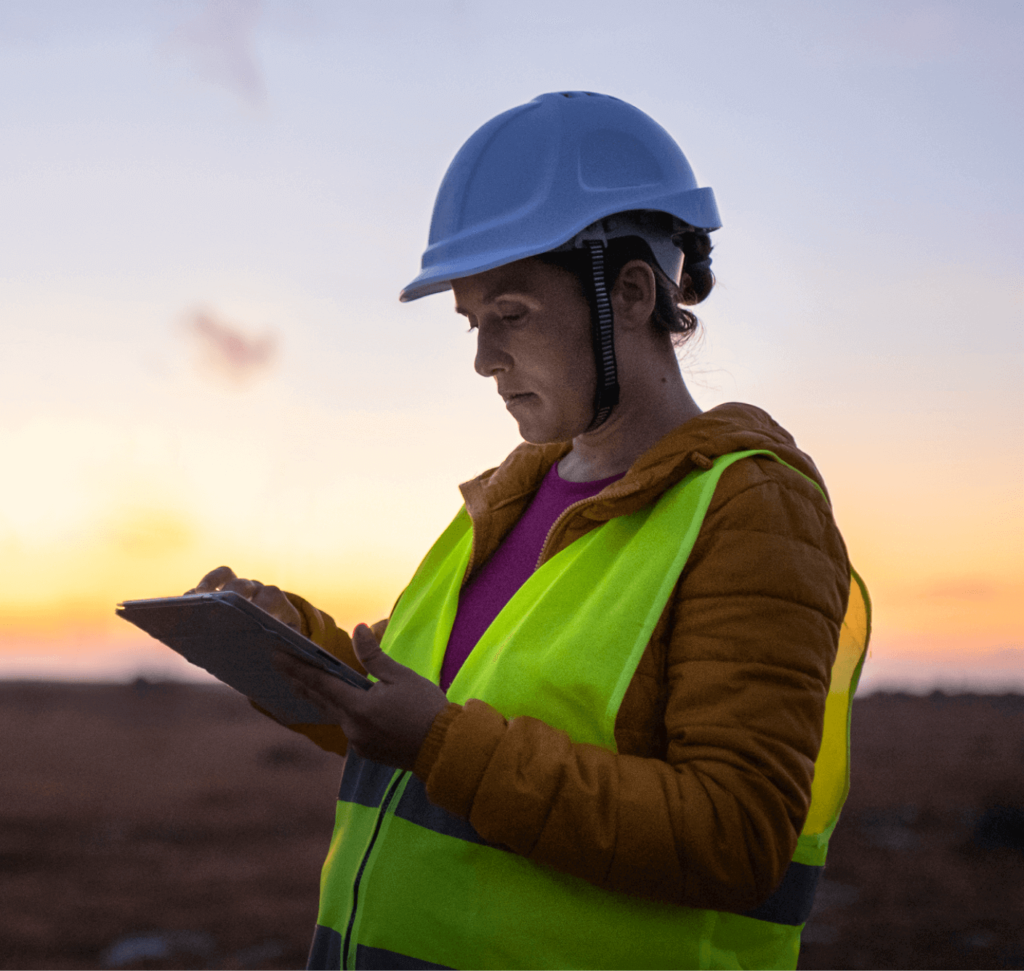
[{"x": 491, "y": 356}]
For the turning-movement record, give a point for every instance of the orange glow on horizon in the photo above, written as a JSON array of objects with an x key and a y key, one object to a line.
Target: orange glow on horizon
[{"x": 153, "y": 508}]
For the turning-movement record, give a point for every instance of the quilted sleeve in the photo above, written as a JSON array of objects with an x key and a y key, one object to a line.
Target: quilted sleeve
[{"x": 717, "y": 734}]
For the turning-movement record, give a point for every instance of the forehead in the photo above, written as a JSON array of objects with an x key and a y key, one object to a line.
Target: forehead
[{"x": 524, "y": 278}]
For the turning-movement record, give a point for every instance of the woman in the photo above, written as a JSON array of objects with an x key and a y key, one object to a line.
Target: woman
[{"x": 600, "y": 701}]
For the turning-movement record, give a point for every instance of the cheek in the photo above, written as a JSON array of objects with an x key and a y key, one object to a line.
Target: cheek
[
  {"x": 563, "y": 365},
  {"x": 572, "y": 381},
  {"x": 579, "y": 359},
  {"x": 556, "y": 353}
]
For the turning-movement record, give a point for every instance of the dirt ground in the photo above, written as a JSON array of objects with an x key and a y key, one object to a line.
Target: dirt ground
[{"x": 170, "y": 826}]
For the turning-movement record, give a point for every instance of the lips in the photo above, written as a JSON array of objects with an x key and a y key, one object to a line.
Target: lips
[{"x": 511, "y": 397}]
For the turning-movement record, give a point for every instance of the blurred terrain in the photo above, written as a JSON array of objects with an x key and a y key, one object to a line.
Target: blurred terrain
[{"x": 165, "y": 825}]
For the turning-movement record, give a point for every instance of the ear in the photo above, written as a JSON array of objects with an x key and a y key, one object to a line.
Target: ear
[{"x": 633, "y": 295}]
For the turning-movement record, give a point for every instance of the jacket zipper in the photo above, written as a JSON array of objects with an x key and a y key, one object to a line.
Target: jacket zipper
[
  {"x": 345, "y": 962},
  {"x": 565, "y": 512},
  {"x": 472, "y": 552}
]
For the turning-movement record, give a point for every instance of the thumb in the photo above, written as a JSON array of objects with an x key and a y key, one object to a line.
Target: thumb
[{"x": 371, "y": 656}]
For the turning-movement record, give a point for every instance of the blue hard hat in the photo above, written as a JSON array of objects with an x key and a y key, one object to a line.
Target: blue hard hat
[{"x": 535, "y": 177}]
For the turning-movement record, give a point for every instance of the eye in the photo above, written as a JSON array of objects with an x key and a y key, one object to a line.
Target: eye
[
  {"x": 509, "y": 317},
  {"x": 512, "y": 315},
  {"x": 510, "y": 311}
]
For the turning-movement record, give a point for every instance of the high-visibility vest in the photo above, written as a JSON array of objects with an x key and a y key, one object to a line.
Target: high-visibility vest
[{"x": 408, "y": 885}]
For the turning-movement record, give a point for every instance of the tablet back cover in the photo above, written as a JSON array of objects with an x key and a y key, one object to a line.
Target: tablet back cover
[{"x": 233, "y": 646}]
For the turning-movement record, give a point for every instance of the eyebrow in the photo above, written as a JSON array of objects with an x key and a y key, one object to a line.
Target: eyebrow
[{"x": 496, "y": 294}]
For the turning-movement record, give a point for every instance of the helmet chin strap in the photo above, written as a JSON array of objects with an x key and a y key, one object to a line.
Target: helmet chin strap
[{"x": 606, "y": 396}]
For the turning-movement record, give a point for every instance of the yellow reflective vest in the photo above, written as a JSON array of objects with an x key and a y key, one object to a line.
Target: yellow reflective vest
[{"x": 408, "y": 885}]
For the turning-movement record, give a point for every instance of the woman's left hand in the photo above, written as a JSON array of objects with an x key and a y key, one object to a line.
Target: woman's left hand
[{"x": 389, "y": 722}]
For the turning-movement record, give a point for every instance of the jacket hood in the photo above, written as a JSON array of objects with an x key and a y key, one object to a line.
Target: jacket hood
[{"x": 694, "y": 444}]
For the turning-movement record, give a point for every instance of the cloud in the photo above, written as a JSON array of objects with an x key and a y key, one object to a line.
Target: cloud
[
  {"x": 228, "y": 352},
  {"x": 219, "y": 47}
]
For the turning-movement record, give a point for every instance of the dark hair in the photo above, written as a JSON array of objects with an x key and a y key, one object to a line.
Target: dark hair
[{"x": 670, "y": 315}]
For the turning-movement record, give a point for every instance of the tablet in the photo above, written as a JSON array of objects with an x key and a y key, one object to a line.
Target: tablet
[{"x": 235, "y": 641}]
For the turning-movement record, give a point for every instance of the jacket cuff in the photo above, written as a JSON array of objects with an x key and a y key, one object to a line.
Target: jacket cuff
[
  {"x": 431, "y": 747},
  {"x": 468, "y": 744}
]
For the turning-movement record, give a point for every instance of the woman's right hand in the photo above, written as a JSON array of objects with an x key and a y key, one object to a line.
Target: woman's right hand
[{"x": 270, "y": 599}]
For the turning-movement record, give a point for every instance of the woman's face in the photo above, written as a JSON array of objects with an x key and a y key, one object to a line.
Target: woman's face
[{"x": 533, "y": 338}]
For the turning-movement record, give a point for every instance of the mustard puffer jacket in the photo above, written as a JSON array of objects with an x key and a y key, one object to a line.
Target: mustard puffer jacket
[{"x": 719, "y": 729}]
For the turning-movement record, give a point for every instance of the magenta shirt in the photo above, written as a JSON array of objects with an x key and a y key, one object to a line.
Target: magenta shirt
[{"x": 510, "y": 566}]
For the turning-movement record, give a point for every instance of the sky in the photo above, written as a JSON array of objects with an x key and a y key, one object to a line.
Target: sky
[{"x": 208, "y": 208}]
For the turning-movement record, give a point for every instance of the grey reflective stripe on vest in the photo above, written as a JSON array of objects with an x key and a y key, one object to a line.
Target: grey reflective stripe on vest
[
  {"x": 792, "y": 902},
  {"x": 325, "y": 955},
  {"x": 325, "y": 951},
  {"x": 415, "y": 807},
  {"x": 379, "y": 959},
  {"x": 365, "y": 783}
]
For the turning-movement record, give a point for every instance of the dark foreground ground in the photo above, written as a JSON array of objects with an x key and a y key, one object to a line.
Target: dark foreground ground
[{"x": 169, "y": 826}]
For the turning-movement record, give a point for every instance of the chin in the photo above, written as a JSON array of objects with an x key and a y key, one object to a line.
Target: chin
[
  {"x": 538, "y": 435},
  {"x": 545, "y": 440},
  {"x": 541, "y": 424}
]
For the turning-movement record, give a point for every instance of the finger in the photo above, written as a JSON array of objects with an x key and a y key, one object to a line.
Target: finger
[
  {"x": 310, "y": 682},
  {"x": 244, "y": 588},
  {"x": 296, "y": 668},
  {"x": 372, "y": 657},
  {"x": 299, "y": 675},
  {"x": 214, "y": 580},
  {"x": 275, "y": 603}
]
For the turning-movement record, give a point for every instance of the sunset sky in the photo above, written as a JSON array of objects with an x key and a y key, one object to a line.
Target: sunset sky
[{"x": 207, "y": 210}]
